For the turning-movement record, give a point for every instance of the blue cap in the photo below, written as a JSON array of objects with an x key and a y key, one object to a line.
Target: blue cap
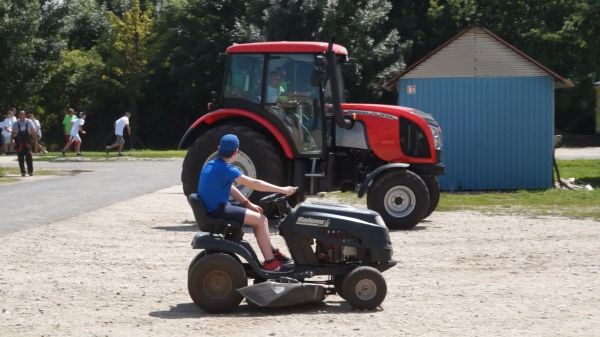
[{"x": 228, "y": 144}]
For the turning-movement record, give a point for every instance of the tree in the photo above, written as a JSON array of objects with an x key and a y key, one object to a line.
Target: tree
[
  {"x": 129, "y": 53},
  {"x": 19, "y": 41}
]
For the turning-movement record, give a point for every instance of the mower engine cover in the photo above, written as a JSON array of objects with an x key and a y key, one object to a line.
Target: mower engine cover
[{"x": 342, "y": 225}]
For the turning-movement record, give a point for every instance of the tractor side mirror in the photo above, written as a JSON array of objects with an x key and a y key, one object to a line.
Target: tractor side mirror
[
  {"x": 212, "y": 105},
  {"x": 319, "y": 74}
]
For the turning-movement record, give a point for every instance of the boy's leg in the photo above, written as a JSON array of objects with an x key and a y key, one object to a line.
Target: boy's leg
[{"x": 260, "y": 225}]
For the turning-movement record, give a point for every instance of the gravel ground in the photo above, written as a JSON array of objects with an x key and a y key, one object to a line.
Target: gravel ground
[{"x": 122, "y": 271}]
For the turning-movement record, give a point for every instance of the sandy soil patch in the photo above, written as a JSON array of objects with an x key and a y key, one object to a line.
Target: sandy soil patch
[{"x": 122, "y": 271}]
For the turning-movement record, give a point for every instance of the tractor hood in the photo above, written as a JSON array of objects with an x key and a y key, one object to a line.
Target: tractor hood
[
  {"x": 391, "y": 112},
  {"x": 387, "y": 132}
]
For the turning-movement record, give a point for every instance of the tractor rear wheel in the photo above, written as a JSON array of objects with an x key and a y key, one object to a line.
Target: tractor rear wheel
[
  {"x": 401, "y": 197},
  {"x": 433, "y": 187},
  {"x": 258, "y": 158}
]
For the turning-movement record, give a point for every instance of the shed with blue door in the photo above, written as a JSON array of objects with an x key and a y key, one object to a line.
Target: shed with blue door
[{"x": 495, "y": 106}]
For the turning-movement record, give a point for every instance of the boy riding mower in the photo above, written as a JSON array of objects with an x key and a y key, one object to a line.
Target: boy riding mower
[{"x": 351, "y": 248}]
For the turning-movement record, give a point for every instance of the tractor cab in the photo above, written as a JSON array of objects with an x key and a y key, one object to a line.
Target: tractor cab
[{"x": 289, "y": 87}]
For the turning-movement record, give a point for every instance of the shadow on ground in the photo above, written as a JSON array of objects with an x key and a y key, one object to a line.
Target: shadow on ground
[
  {"x": 190, "y": 310},
  {"x": 188, "y": 226}
]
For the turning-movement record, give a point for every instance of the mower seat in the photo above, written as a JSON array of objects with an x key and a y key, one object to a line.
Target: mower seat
[{"x": 232, "y": 230}]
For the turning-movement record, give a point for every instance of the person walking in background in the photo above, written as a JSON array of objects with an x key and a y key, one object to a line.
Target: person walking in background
[
  {"x": 37, "y": 145},
  {"x": 7, "y": 123},
  {"x": 120, "y": 125},
  {"x": 22, "y": 132},
  {"x": 74, "y": 139},
  {"x": 67, "y": 125}
]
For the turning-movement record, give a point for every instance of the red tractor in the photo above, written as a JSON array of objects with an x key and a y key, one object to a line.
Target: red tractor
[{"x": 284, "y": 100}]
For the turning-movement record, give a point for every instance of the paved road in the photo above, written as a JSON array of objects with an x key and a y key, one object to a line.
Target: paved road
[
  {"x": 577, "y": 153},
  {"x": 43, "y": 201}
]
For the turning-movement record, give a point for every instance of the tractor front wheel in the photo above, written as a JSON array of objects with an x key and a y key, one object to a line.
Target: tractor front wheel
[
  {"x": 401, "y": 197},
  {"x": 433, "y": 187}
]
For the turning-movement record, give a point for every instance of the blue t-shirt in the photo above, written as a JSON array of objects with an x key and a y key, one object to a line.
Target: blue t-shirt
[{"x": 214, "y": 185}]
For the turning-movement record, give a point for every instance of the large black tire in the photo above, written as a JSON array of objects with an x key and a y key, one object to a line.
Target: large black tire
[
  {"x": 213, "y": 280},
  {"x": 364, "y": 288},
  {"x": 401, "y": 197},
  {"x": 255, "y": 147},
  {"x": 433, "y": 187}
]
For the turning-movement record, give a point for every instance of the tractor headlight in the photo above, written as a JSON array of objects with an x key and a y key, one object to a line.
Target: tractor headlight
[{"x": 437, "y": 136}]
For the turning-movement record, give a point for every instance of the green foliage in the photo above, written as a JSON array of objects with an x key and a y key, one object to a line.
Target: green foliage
[
  {"x": 164, "y": 57},
  {"x": 358, "y": 25},
  {"x": 19, "y": 67},
  {"x": 130, "y": 51}
]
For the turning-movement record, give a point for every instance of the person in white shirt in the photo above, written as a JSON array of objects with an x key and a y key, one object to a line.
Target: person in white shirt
[
  {"x": 76, "y": 127},
  {"x": 37, "y": 140},
  {"x": 120, "y": 125},
  {"x": 6, "y": 125}
]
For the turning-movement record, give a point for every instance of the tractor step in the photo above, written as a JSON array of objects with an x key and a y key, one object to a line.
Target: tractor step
[{"x": 313, "y": 175}]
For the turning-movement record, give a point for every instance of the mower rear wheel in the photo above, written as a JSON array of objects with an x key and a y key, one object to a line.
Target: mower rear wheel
[
  {"x": 433, "y": 187},
  {"x": 364, "y": 288},
  {"x": 401, "y": 197},
  {"x": 258, "y": 158},
  {"x": 213, "y": 280}
]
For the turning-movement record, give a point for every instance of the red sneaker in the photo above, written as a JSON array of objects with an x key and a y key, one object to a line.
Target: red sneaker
[
  {"x": 273, "y": 265},
  {"x": 281, "y": 257}
]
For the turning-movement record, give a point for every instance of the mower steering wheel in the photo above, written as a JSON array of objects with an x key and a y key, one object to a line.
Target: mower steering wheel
[{"x": 271, "y": 198}]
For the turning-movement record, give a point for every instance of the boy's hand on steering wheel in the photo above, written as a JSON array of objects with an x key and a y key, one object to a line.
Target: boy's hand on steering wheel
[{"x": 289, "y": 190}]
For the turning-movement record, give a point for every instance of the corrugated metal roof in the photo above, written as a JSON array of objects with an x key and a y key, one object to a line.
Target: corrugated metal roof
[{"x": 476, "y": 52}]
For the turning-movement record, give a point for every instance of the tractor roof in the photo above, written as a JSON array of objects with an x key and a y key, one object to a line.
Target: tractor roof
[{"x": 285, "y": 47}]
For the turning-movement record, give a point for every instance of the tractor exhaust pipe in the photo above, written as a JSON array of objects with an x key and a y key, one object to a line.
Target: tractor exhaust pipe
[{"x": 335, "y": 88}]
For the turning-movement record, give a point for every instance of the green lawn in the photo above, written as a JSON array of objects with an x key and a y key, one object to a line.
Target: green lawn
[
  {"x": 568, "y": 203},
  {"x": 101, "y": 155}
]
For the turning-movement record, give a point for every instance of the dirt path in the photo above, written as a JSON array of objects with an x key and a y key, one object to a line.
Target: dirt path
[{"x": 121, "y": 271}]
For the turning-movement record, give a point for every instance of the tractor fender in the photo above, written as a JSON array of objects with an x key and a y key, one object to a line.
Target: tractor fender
[
  {"x": 223, "y": 114},
  {"x": 207, "y": 241},
  {"x": 371, "y": 176}
]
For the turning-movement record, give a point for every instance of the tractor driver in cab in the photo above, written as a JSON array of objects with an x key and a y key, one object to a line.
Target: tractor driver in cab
[
  {"x": 274, "y": 88},
  {"x": 215, "y": 186}
]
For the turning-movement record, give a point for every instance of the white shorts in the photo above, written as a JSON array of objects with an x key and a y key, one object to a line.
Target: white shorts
[
  {"x": 75, "y": 139},
  {"x": 5, "y": 138}
]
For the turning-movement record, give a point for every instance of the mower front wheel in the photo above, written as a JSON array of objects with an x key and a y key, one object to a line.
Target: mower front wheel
[
  {"x": 364, "y": 288},
  {"x": 213, "y": 280}
]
